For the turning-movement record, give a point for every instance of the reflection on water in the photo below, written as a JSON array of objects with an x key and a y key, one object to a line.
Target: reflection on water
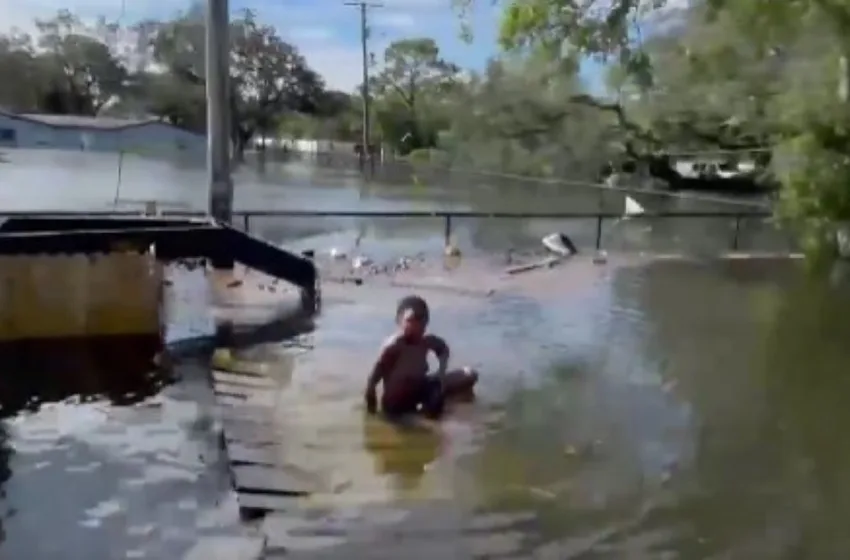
[
  {"x": 402, "y": 452},
  {"x": 119, "y": 369}
]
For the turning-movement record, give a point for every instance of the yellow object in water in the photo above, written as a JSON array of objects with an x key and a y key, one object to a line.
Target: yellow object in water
[{"x": 222, "y": 358}]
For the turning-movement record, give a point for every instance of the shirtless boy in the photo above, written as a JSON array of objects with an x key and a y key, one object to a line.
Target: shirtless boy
[{"x": 402, "y": 367}]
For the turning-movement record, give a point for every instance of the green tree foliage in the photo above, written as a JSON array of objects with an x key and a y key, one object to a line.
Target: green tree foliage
[
  {"x": 268, "y": 75},
  {"x": 414, "y": 79},
  {"x": 744, "y": 74},
  {"x": 72, "y": 68}
]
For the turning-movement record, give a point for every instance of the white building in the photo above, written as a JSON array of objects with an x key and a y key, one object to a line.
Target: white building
[{"x": 100, "y": 134}]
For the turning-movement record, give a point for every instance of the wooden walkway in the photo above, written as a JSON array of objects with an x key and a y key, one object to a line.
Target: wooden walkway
[
  {"x": 247, "y": 391},
  {"x": 246, "y": 395}
]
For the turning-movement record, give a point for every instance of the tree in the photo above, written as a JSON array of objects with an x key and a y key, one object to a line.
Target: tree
[
  {"x": 23, "y": 76},
  {"x": 749, "y": 55},
  {"x": 511, "y": 119},
  {"x": 84, "y": 73},
  {"x": 268, "y": 76},
  {"x": 413, "y": 74},
  {"x": 176, "y": 101}
]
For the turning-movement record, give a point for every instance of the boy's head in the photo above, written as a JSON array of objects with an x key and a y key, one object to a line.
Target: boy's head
[{"x": 412, "y": 316}]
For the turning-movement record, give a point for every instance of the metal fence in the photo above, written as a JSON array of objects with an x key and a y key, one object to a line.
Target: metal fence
[{"x": 248, "y": 219}]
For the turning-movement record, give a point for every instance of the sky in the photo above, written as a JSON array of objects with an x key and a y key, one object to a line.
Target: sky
[{"x": 327, "y": 32}]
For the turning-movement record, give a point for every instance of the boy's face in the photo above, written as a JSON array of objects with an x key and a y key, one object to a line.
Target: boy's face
[{"x": 412, "y": 327}]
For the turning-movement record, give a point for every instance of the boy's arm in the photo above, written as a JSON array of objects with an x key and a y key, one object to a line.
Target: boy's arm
[
  {"x": 382, "y": 366},
  {"x": 442, "y": 351}
]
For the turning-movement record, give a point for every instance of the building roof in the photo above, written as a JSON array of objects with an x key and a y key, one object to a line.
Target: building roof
[{"x": 78, "y": 121}]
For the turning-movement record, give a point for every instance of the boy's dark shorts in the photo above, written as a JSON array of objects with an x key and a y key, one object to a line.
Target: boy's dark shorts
[{"x": 428, "y": 400}]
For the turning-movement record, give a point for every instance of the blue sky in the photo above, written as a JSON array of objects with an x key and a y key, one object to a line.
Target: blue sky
[{"x": 326, "y": 31}]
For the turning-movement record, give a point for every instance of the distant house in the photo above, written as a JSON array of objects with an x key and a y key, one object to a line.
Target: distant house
[{"x": 98, "y": 134}]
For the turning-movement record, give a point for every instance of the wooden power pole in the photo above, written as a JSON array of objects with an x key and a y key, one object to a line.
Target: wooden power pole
[
  {"x": 364, "y": 39},
  {"x": 218, "y": 106}
]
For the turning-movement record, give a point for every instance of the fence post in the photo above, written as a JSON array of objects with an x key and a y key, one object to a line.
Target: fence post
[
  {"x": 311, "y": 299},
  {"x": 737, "y": 232},
  {"x": 247, "y": 221},
  {"x": 599, "y": 231},
  {"x": 447, "y": 233}
]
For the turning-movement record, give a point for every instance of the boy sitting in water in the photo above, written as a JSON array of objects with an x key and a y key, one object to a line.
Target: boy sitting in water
[{"x": 402, "y": 366}]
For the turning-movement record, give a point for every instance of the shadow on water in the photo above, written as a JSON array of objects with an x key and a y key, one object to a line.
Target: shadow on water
[{"x": 118, "y": 369}]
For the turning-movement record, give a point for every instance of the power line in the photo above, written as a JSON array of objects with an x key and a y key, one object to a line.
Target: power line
[{"x": 364, "y": 37}]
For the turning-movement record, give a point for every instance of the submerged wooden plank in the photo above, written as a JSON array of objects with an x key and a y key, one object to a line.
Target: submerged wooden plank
[
  {"x": 260, "y": 397},
  {"x": 266, "y": 502},
  {"x": 230, "y": 402},
  {"x": 243, "y": 411},
  {"x": 252, "y": 381},
  {"x": 527, "y": 267},
  {"x": 249, "y": 432},
  {"x": 241, "y": 454},
  {"x": 271, "y": 480},
  {"x": 222, "y": 392},
  {"x": 236, "y": 399}
]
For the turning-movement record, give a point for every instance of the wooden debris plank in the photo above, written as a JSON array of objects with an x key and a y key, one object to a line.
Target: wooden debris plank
[
  {"x": 230, "y": 402},
  {"x": 527, "y": 267},
  {"x": 243, "y": 380},
  {"x": 245, "y": 392},
  {"x": 253, "y": 399},
  {"x": 223, "y": 392},
  {"x": 243, "y": 411},
  {"x": 266, "y": 502},
  {"x": 243, "y": 370},
  {"x": 252, "y": 434},
  {"x": 241, "y": 454},
  {"x": 270, "y": 480}
]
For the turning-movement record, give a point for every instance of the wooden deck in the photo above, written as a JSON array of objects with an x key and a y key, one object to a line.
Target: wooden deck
[{"x": 246, "y": 394}]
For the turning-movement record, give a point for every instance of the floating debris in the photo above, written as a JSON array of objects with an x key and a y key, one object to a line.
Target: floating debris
[
  {"x": 337, "y": 254},
  {"x": 361, "y": 262},
  {"x": 560, "y": 244},
  {"x": 452, "y": 251}
]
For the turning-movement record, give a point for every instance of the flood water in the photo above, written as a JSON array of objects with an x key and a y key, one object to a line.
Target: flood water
[
  {"x": 654, "y": 409},
  {"x": 640, "y": 408},
  {"x": 84, "y": 181}
]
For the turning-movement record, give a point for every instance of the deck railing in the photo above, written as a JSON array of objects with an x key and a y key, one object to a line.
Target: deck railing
[{"x": 246, "y": 217}]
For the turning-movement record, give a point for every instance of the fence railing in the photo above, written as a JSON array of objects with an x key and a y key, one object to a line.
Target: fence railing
[{"x": 447, "y": 216}]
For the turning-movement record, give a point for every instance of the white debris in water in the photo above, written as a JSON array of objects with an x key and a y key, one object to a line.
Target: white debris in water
[
  {"x": 337, "y": 254},
  {"x": 633, "y": 207},
  {"x": 558, "y": 243},
  {"x": 361, "y": 262},
  {"x": 105, "y": 509}
]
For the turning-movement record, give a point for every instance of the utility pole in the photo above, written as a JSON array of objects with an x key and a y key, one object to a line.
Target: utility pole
[
  {"x": 218, "y": 110},
  {"x": 364, "y": 38},
  {"x": 218, "y": 116}
]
